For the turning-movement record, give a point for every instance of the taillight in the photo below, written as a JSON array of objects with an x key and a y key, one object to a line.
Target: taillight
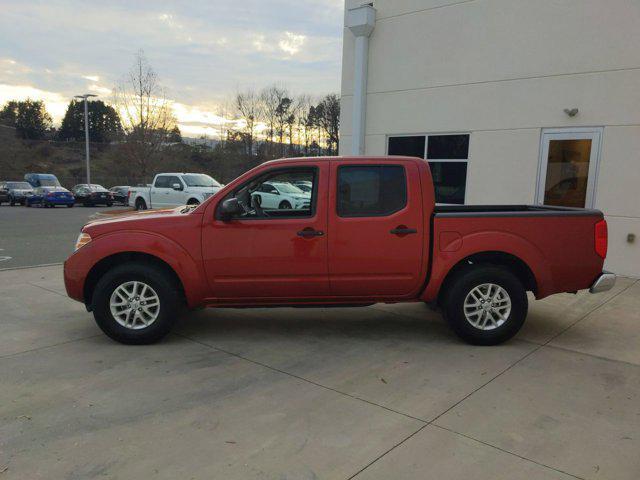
[{"x": 601, "y": 238}]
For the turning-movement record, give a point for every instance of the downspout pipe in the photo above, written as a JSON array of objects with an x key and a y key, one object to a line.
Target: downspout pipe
[{"x": 361, "y": 21}]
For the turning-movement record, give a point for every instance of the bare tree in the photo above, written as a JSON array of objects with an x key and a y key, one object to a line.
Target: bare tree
[
  {"x": 270, "y": 100},
  {"x": 328, "y": 119},
  {"x": 146, "y": 114},
  {"x": 248, "y": 108},
  {"x": 303, "y": 106},
  {"x": 283, "y": 112}
]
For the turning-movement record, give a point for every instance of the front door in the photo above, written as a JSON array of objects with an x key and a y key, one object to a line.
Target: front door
[
  {"x": 568, "y": 167},
  {"x": 377, "y": 229},
  {"x": 269, "y": 252}
]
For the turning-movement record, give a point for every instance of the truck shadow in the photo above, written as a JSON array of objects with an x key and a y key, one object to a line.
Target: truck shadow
[{"x": 376, "y": 322}]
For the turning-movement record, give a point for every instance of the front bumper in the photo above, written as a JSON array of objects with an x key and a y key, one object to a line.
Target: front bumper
[{"x": 604, "y": 283}]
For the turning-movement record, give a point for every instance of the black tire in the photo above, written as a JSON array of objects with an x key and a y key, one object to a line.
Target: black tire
[
  {"x": 27, "y": 204},
  {"x": 464, "y": 282},
  {"x": 141, "y": 204},
  {"x": 193, "y": 201},
  {"x": 110, "y": 204},
  {"x": 156, "y": 278},
  {"x": 70, "y": 205},
  {"x": 12, "y": 203},
  {"x": 284, "y": 205}
]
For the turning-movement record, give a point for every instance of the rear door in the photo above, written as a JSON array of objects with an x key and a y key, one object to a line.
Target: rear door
[
  {"x": 160, "y": 192},
  {"x": 376, "y": 229}
]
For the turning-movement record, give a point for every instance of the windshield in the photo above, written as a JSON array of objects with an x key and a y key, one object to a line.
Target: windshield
[
  {"x": 200, "y": 180},
  {"x": 288, "y": 188},
  {"x": 48, "y": 182},
  {"x": 19, "y": 185}
]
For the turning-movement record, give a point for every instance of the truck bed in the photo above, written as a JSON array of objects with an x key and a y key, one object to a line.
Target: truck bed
[
  {"x": 444, "y": 211},
  {"x": 556, "y": 243}
]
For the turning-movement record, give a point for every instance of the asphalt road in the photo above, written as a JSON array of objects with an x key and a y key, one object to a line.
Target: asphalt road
[{"x": 40, "y": 236}]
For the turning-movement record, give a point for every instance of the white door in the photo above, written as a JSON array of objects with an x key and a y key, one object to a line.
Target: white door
[
  {"x": 269, "y": 196},
  {"x": 569, "y": 167},
  {"x": 176, "y": 197},
  {"x": 160, "y": 192}
]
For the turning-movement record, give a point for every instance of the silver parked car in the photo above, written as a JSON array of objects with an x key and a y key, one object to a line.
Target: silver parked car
[{"x": 16, "y": 192}]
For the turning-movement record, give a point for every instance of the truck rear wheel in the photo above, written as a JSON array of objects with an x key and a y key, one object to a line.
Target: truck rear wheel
[
  {"x": 141, "y": 204},
  {"x": 485, "y": 304},
  {"x": 136, "y": 304}
]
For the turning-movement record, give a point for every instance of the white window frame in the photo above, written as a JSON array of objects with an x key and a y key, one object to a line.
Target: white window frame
[
  {"x": 577, "y": 133},
  {"x": 447, "y": 160}
]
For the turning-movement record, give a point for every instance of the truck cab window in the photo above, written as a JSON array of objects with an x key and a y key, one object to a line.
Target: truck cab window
[
  {"x": 276, "y": 195},
  {"x": 162, "y": 182},
  {"x": 371, "y": 190}
]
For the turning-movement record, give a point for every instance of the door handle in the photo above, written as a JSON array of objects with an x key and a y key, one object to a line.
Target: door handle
[
  {"x": 310, "y": 232},
  {"x": 402, "y": 230}
]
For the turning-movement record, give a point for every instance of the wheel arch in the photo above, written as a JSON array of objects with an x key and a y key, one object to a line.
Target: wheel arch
[
  {"x": 503, "y": 259},
  {"x": 107, "y": 263}
]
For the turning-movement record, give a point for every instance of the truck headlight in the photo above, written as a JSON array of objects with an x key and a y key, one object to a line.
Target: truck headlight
[{"x": 83, "y": 239}]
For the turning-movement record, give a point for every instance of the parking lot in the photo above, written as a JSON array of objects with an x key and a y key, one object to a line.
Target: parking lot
[
  {"x": 384, "y": 392},
  {"x": 41, "y": 236}
]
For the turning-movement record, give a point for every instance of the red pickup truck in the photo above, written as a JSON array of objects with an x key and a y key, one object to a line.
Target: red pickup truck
[{"x": 369, "y": 231}]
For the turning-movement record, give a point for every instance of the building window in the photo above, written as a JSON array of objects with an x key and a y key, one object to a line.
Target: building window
[
  {"x": 371, "y": 190},
  {"x": 407, "y": 146},
  {"x": 447, "y": 156}
]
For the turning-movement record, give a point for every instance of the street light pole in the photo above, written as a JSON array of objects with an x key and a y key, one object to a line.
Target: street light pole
[{"x": 86, "y": 132}]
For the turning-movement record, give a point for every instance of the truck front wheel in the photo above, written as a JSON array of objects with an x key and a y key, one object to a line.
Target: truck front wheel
[
  {"x": 136, "y": 304},
  {"x": 485, "y": 304}
]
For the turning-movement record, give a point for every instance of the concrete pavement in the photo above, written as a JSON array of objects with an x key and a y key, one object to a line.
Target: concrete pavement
[{"x": 385, "y": 392}]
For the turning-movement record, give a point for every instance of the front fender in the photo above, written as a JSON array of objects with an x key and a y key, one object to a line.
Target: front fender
[
  {"x": 488, "y": 241},
  {"x": 189, "y": 271}
]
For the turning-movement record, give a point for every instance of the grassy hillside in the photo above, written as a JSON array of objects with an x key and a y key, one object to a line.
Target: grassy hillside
[{"x": 109, "y": 165}]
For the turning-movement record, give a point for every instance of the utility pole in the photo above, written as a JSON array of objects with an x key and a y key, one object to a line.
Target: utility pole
[{"x": 86, "y": 131}]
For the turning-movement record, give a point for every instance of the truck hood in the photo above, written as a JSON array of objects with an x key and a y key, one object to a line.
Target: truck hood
[{"x": 146, "y": 220}]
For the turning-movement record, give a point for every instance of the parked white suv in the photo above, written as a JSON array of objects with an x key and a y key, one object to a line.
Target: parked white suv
[
  {"x": 282, "y": 196},
  {"x": 170, "y": 190}
]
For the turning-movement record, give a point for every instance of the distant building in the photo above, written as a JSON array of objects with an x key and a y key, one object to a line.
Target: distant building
[{"x": 511, "y": 101}]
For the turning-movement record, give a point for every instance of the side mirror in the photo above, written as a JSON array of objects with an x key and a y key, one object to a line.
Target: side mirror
[
  {"x": 176, "y": 186},
  {"x": 230, "y": 208}
]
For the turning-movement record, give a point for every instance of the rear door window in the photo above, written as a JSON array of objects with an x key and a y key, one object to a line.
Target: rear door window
[
  {"x": 371, "y": 190},
  {"x": 162, "y": 182}
]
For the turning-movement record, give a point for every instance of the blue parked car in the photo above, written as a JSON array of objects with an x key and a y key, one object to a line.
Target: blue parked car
[
  {"x": 42, "y": 180},
  {"x": 50, "y": 197}
]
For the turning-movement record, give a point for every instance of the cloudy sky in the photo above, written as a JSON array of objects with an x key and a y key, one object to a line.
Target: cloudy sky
[{"x": 202, "y": 50}]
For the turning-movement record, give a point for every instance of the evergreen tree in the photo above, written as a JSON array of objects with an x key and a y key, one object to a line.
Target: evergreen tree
[{"x": 104, "y": 122}]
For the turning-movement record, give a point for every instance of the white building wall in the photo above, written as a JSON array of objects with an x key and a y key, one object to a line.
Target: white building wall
[{"x": 502, "y": 70}]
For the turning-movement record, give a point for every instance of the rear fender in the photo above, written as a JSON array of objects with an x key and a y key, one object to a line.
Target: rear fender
[{"x": 489, "y": 241}]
